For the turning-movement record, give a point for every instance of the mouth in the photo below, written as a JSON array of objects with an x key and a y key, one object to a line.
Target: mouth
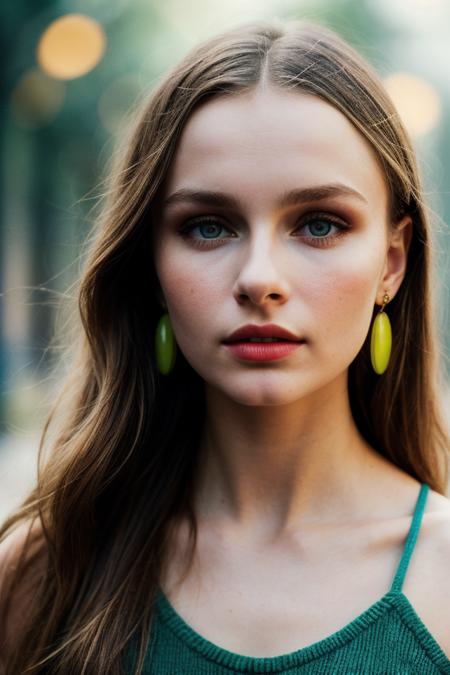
[
  {"x": 262, "y": 342},
  {"x": 262, "y": 333},
  {"x": 257, "y": 340},
  {"x": 263, "y": 349}
]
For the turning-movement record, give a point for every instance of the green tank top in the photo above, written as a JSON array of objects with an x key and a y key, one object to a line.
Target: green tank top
[{"x": 388, "y": 638}]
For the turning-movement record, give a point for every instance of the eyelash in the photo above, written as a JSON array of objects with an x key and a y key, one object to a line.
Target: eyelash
[{"x": 320, "y": 242}]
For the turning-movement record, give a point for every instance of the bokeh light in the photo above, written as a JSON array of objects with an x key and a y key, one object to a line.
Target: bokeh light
[
  {"x": 71, "y": 46},
  {"x": 36, "y": 99},
  {"x": 417, "y": 102}
]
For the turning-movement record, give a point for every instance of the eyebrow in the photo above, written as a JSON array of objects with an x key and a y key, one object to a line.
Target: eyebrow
[{"x": 308, "y": 194}]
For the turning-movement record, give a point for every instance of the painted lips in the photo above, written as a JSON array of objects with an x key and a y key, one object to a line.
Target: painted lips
[{"x": 262, "y": 351}]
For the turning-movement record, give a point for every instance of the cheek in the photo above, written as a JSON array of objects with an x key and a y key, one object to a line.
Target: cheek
[
  {"x": 349, "y": 288},
  {"x": 191, "y": 291},
  {"x": 343, "y": 303}
]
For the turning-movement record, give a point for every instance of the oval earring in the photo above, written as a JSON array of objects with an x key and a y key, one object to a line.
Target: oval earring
[
  {"x": 381, "y": 340},
  {"x": 165, "y": 345}
]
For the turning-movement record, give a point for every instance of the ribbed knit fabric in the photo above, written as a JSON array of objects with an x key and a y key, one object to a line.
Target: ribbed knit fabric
[{"x": 388, "y": 638}]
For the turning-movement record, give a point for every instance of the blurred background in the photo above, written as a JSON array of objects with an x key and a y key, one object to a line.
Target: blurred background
[{"x": 72, "y": 70}]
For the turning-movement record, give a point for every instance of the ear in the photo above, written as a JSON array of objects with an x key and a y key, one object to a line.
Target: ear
[{"x": 396, "y": 259}]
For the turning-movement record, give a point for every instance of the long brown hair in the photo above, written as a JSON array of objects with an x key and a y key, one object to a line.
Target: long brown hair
[{"x": 123, "y": 440}]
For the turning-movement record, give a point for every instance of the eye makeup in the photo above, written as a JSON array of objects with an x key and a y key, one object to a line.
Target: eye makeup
[{"x": 213, "y": 222}]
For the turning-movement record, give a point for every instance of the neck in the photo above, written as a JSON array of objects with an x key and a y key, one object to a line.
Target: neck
[{"x": 268, "y": 469}]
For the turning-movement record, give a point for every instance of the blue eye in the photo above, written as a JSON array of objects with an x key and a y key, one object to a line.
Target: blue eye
[
  {"x": 210, "y": 228},
  {"x": 323, "y": 228}
]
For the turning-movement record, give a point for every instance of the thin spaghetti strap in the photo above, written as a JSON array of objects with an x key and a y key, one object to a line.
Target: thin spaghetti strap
[{"x": 399, "y": 578}]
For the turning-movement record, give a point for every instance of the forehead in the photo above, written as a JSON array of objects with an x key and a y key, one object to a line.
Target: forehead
[{"x": 270, "y": 140}]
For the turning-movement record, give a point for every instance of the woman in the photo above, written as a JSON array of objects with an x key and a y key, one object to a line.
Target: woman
[{"x": 246, "y": 461}]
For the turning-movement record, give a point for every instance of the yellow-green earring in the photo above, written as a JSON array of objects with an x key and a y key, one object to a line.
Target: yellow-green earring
[
  {"x": 381, "y": 340},
  {"x": 165, "y": 345}
]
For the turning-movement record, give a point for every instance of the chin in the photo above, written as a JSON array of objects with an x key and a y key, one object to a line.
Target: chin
[{"x": 257, "y": 394}]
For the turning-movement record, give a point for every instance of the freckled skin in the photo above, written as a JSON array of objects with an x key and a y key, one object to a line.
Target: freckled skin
[{"x": 255, "y": 146}]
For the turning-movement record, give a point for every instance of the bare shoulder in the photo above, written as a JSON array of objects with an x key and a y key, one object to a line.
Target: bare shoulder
[
  {"x": 428, "y": 586},
  {"x": 437, "y": 503},
  {"x": 436, "y": 526}
]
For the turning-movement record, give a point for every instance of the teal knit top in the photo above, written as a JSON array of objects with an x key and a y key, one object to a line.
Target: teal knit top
[{"x": 388, "y": 638}]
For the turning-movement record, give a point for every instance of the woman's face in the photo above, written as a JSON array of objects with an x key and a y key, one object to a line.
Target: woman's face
[{"x": 260, "y": 251}]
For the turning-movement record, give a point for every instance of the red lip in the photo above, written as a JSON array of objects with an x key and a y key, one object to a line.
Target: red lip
[
  {"x": 268, "y": 330},
  {"x": 262, "y": 351}
]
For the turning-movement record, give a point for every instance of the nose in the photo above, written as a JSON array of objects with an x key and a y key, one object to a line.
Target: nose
[{"x": 262, "y": 278}]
